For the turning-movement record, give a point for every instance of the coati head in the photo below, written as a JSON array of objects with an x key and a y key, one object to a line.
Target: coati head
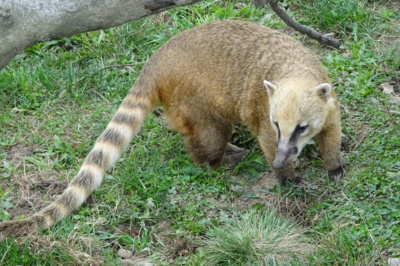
[{"x": 298, "y": 112}]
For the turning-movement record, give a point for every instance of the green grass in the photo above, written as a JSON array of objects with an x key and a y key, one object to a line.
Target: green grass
[
  {"x": 57, "y": 97},
  {"x": 257, "y": 238}
]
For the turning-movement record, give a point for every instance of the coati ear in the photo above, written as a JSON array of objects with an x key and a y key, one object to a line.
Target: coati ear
[
  {"x": 270, "y": 87},
  {"x": 324, "y": 90}
]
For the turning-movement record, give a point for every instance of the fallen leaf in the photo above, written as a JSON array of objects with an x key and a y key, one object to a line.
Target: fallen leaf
[
  {"x": 387, "y": 88},
  {"x": 238, "y": 5}
]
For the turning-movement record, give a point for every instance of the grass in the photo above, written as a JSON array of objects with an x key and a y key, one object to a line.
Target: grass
[
  {"x": 256, "y": 239},
  {"x": 57, "y": 97}
]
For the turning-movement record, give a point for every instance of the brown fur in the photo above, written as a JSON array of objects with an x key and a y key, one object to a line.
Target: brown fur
[{"x": 208, "y": 79}]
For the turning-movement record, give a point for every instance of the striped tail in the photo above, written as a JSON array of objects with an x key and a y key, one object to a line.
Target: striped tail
[{"x": 108, "y": 148}]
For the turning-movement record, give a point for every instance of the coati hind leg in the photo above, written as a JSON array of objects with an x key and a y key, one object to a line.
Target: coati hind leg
[
  {"x": 209, "y": 144},
  {"x": 206, "y": 137},
  {"x": 329, "y": 142},
  {"x": 234, "y": 155}
]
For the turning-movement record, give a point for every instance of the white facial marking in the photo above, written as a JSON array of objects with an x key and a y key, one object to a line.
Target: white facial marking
[
  {"x": 303, "y": 124},
  {"x": 305, "y": 132}
]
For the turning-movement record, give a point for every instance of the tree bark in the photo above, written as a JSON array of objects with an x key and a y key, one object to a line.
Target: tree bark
[{"x": 26, "y": 22}]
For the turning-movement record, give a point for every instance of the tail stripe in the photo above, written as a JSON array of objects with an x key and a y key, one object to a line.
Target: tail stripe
[
  {"x": 96, "y": 172},
  {"x": 112, "y": 135},
  {"x": 124, "y": 118},
  {"x": 61, "y": 210},
  {"x": 110, "y": 152},
  {"x": 96, "y": 157},
  {"x": 132, "y": 104},
  {"x": 34, "y": 222},
  {"x": 84, "y": 178},
  {"x": 48, "y": 216},
  {"x": 73, "y": 197}
]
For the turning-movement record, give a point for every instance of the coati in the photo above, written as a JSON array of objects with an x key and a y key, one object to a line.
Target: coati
[{"x": 208, "y": 79}]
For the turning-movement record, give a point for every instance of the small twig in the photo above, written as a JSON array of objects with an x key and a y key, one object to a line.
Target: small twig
[
  {"x": 124, "y": 65},
  {"x": 321, "y": 38}
]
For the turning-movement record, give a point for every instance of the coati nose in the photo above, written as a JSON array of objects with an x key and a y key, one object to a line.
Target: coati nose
[{"x": 279, "y": 163}]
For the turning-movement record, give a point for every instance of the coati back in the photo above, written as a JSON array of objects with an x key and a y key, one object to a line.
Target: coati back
[{"x": 208, "y": 79}]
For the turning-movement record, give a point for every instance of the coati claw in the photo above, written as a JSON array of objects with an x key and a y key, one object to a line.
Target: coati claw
[
  {"x": 299, "y": 181},
  {"x": 338, "y": 173}
]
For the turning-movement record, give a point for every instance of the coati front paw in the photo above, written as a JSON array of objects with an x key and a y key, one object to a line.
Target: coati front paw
[
  {"x": 337, "y": 173},
  {"x": 299, "y": 181}
]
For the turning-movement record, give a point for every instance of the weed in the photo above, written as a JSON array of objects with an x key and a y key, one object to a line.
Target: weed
[{"x": 256, "y": 238}]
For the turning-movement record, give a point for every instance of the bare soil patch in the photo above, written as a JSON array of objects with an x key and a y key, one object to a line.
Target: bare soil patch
[
  {"x": 261, "y": 193},
  {"x": 32, "y": 189}
]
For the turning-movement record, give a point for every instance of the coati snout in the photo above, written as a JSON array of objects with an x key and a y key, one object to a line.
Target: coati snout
[
  {"x": 287, "y": 150},
  {"x": 285, "y": 153}
]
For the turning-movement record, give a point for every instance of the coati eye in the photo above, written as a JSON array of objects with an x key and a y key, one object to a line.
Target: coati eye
[{"x": 301, "y": 128}]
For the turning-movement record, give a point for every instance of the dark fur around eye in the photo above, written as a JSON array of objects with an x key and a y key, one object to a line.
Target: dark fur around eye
[{"x": 301, "y": 129}]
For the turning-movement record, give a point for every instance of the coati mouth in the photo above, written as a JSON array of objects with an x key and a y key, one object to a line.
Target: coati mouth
[{"x": 283, "y": 157}]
